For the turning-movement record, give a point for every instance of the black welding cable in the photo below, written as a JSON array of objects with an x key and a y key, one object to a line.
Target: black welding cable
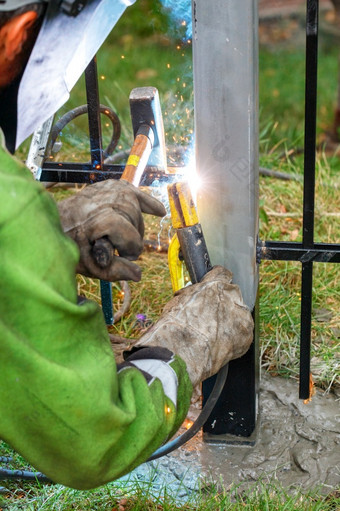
[
  {"x": 81, "y": 110},
  {"x": 201, "y": 419},
  {"x": 23, "y": 474}
]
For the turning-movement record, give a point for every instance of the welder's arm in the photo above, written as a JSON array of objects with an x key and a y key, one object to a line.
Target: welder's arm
[
  {"x": 206, "y": 324},
  {"x": 64, "y": 406},
  {"x": 111, "y": 210}
]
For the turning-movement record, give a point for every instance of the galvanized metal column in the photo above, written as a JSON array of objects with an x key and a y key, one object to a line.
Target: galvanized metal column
[{"x": 225, "y": 46}]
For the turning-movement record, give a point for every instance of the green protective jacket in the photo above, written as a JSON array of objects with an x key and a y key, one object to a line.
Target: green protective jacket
[{"x": 64, "y": 404}]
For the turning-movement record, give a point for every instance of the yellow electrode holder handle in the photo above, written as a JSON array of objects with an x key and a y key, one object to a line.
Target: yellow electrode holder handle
[
  {"x": 176, "y": 267},
  {"x": 182, "y": 206},
  {"x": 184, "y": 217}
]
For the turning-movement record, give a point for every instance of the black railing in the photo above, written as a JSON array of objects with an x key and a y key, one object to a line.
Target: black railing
[{"x": 307, "y": 252}]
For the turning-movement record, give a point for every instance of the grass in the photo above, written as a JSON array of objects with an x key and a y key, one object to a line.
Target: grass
[
  {"x": 133, "y": 59},
  {"x": 136, "y": 496}
]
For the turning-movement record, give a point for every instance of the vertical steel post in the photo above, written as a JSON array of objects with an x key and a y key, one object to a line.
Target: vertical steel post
[
  {"x": 95, "y": 132},
  {"x": 225, "y": 57},
  {"x": 308, "y": 191}
]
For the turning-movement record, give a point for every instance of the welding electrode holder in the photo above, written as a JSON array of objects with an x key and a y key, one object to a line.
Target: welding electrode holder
[
  {"x": 189, "y": 234},
  {"x": 194, "y": 251}
]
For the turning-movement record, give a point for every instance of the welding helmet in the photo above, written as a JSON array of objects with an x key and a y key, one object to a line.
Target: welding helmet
[{"x": 69, "y": 37}]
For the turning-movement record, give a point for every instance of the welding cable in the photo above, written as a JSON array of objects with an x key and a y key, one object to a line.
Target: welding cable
[
  {"x": 199, "y": 422},
  {"x": 81, "y": 110},
  {"x": 23, "y": 474}
]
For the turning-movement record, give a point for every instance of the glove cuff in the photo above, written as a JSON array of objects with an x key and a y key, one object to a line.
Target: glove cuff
[{"x": 154, "y": 363}]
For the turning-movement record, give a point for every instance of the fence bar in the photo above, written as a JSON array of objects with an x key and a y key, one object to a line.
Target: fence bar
[
  {"x": 310, "y": 122},
  {"x": 71, "y": 172},
  {"x": 293, "y": 251},
  {"x": 308, "y": 191},
  {"x": 92, "y": 93},
  {"x": 107, "y": 302},
  {"x": 306, "y": 328}
]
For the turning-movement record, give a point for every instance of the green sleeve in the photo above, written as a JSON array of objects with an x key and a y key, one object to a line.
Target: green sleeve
[{"x": 63, "y": 405}]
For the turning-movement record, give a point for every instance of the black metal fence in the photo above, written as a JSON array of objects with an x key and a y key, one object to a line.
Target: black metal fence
[{"x": 307, "y": 252}]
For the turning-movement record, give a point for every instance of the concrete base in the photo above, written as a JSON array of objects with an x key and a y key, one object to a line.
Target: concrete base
[{"x": 297, "y": 447}]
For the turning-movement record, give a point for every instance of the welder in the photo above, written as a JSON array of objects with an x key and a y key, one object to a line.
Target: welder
[{"x": 64, "y": 403}]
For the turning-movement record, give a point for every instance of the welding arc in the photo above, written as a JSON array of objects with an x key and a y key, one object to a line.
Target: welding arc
[
  {"x": 81, "y": 110},
  {"x": 201, "y": 419}
]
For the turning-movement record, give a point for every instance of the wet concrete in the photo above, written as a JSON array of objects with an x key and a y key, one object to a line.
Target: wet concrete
[{"x": 297, "y": 447}]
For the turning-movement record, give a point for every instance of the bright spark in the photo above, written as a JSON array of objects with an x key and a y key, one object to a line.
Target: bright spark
[{"x": 191, "y": 176}]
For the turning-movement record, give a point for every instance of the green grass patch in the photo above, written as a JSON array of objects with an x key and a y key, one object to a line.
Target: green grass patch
[
  {"x": 139, "y": 496},
  {"x": 282, "y": 89}
]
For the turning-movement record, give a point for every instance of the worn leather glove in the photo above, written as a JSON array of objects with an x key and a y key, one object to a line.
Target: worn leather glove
[
  {"x": 111, "y": 210},
  {"x": 206, "y": 324}
]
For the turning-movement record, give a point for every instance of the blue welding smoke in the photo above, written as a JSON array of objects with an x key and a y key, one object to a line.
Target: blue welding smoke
[{"x": 180, "y": 12}]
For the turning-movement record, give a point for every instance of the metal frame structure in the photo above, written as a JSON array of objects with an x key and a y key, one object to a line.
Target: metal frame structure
[{"x": 308, "y": 251}]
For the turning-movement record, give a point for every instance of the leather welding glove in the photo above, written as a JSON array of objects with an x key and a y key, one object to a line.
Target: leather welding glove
[
  {"x": 206, "y": 324},
  {"x": 111, "y": 210}
]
